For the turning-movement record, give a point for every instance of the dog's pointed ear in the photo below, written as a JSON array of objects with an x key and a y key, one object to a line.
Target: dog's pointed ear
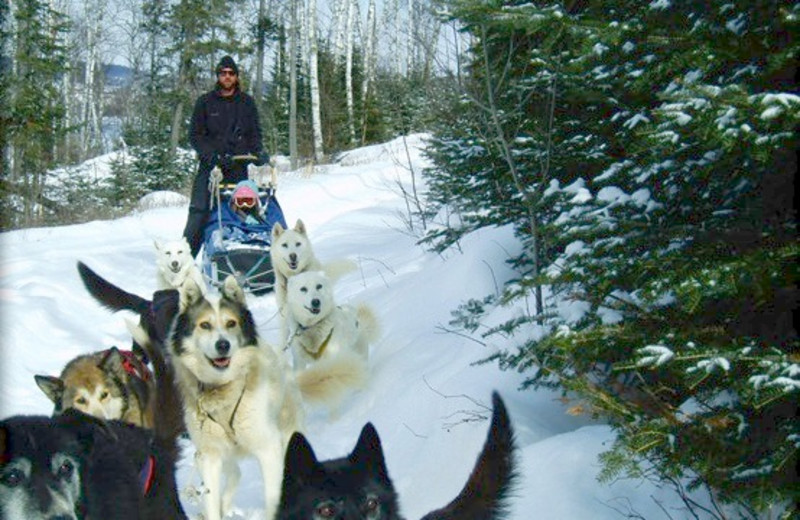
[
  {"x": 157, "y": 244},
  {"x": 300, "y": 464},
  {"x": 165, "y": 306},
  {"x": 232, "y": 291},
  {"x": 139, "y": 353},
  {"x": 190, "y": 294},
  {"x": 300, "y": 227},
  {"x": 113, "y": 362},
  {"x": 141, "y": 339},
  {"x": 277, "y": 230},
  {"x": 89, "y": 429},
  {"x": 368, "y": 453},
  {"x": 52, "y": 387}
]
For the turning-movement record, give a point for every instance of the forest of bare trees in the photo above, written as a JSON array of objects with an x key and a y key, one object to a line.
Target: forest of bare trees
[{"x": 86, "y": 78}]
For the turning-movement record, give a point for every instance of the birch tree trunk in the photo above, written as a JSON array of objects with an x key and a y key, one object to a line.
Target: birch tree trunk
[
  {"x": 292, "y": 63},
  {"x": 339, "y": 28},
  {"x": 430, "y": 50},
  {"x": 351, "y": 125},
  {"x": 316, "y": 118},
  {"x": 8, "y": 48},
  {"x": 91, "y": 97},
  {"x": 397, "y": 30},
  {"x": 370, "y": 59},
  {"x": 258, "y": 93},
  {"x": 303, "y": 38},
  {"x": 409, "y": 37}
]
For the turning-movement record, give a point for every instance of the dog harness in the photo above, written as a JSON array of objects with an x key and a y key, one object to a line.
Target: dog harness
[
  {"x": 202, "y": 412},
  {"x": 133, "y": 366},
  {"x": 321, "y": 350},
  {"x": 315, "y": 355}
]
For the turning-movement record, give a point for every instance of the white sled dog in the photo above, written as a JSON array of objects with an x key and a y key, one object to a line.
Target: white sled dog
[
  {"x": 264, "y": 175},
  {"x": 291, "y": 254},
  {"x": 175, "y": 265},
  {"x": 239, "y": 396},
  {"x": 329, "y": 342}
]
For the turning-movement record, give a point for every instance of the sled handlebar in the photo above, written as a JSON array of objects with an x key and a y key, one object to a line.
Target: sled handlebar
[{"x": 244, "y": 157}]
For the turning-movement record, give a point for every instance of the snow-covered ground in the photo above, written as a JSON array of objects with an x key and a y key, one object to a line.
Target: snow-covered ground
[{"x": 425, "y": 395}]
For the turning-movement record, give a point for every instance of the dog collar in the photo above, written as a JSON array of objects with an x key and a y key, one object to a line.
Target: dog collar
[{"x": 148, "y": 474}]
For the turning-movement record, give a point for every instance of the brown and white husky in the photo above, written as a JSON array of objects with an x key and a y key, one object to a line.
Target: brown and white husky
[{"x": 109, "y": 384}]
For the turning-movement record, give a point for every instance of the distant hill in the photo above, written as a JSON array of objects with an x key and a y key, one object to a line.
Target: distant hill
[{"x": 117, "y": 75}]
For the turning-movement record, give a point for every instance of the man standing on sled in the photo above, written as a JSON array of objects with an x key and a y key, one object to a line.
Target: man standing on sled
[{"x": 224, "y": 125}]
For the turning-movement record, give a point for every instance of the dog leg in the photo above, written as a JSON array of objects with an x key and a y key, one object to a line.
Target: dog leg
[
  {"x": 232, "y": 476},
  {"x": 211, "y": 470},
  {"x": 270, "y": 458}
]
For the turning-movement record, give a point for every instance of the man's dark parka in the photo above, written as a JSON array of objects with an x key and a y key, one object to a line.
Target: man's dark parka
[{"x": 224, "y": 126}]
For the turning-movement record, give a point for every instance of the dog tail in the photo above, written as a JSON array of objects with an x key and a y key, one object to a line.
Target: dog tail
[
  {"x": 109, "y": 295},
  {"x": 369, "y": 328},
  {"x": 168, "y": 420},
  {"x": 338, "y": 268},
  {"x": 485, "y": 494},
  {"x": 328, "y": 381}
]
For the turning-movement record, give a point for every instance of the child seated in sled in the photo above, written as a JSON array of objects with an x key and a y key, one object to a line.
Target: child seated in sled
[{"x": 246, "y": 204}]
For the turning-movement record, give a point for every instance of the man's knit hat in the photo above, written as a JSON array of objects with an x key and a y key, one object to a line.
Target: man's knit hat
[{"x": 227, "y": 63}]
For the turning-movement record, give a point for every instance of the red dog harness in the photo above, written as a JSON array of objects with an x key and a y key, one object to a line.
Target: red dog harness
[
  {"x": 148, "y": 474},
  {"x": 134, "y": 366}
]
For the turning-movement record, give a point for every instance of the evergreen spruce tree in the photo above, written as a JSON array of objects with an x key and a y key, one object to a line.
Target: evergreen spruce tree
[
  {"x": 667, "y": 212},
  {"x": 33, "y": 121}
]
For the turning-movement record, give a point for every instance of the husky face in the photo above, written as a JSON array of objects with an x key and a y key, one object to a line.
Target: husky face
[
  {"x": 291, "y": 248},
  {"x": 173, "y": 256},
  {"x": 92, "y": 383},
  {"x": 310, "y": 297},
  {"x": 356, "y": 487},
  {"x": 39, "y": 472},
  {"x": 209, "y": 332}
]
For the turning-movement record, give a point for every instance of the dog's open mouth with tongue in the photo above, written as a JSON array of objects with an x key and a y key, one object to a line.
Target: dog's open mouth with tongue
[{"x": 220, "y": 362}]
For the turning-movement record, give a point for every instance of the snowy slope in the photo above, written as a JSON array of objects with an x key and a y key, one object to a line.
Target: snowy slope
[{"x": 425, "y": 392}]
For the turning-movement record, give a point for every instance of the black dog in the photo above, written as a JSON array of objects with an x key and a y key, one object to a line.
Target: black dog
[
  {"x": 358, "y": 487},
  {"x": 75, "y": 466}
]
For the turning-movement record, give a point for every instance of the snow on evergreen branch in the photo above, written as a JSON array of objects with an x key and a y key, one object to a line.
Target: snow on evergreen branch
[{"x": 655, "y": 355}]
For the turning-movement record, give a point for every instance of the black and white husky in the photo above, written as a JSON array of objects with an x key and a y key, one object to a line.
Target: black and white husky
[
  {"x": 239, "y": 397},
  {"x": 358, "y": 487},
  {"x": 75, "y": 466}
]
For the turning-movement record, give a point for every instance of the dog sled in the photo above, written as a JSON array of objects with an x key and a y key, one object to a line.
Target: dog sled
[{"x": 237, "y": 236}]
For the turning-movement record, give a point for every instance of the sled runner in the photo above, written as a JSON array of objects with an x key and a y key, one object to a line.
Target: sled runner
[{"x": 237, "y": 235}]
